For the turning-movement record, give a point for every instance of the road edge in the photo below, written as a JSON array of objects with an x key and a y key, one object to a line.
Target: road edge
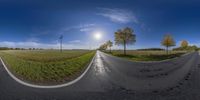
[
  {"x": 166, "y": 60},
  {"x": 45, "y": 86}
]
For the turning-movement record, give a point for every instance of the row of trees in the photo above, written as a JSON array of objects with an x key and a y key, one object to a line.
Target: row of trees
[
  {"x": 127, "y": 36},
  {"x": 106, "y": 45},
  {"x": 184, "y": 45},
  {"x": 122, "y": 37},
  {"x": 168, "y": 41}
]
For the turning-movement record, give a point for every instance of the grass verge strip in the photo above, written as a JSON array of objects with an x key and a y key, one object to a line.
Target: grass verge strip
[{"x": 47, "y": 73}]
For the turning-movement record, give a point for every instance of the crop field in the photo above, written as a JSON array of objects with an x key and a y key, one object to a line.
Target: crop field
[
  {"x": 147, "y": 55},
  {"x": 47, "y": 66}
]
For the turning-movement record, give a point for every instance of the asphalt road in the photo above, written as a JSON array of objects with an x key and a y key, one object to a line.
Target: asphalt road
[{"x": 112, "y": 78}]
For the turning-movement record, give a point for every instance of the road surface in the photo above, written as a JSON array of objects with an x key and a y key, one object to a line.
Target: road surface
[{"x": 112, "y": 78}]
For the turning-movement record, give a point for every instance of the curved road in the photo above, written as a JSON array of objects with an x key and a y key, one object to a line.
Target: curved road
[{"x": 112, "y": 78}]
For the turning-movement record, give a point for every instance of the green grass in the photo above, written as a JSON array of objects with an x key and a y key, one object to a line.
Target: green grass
[
  {"x": 147, "y": 55},
  {"x": 45, "y": 55},
  {"x": 47, "y": 66}
]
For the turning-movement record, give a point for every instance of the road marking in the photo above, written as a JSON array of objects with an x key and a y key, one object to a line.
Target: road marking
[{"x": 50, "y": 86}]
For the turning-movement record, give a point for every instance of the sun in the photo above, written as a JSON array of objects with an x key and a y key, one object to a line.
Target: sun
[{"x": 97, "y": 35}]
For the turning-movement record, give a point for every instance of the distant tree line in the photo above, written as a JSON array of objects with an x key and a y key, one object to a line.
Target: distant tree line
[
  {"x": 6, "y": 48},
  {"x": 151, "y": 49}
]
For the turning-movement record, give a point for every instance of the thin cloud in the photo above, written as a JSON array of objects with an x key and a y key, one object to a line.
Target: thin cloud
[
  {"x": 118, "y": 15},
  {"x": 81, "y": 27},
  {"x": 33, "y": 39},
  {"x": 86, "y": 29},
  {"x": 75, "y": 41}
]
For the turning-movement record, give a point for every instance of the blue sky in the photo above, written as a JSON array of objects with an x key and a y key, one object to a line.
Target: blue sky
[{"x": 40, "y": 23}]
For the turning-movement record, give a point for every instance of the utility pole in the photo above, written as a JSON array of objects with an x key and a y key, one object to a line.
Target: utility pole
[{"x": 61, "y": 37}]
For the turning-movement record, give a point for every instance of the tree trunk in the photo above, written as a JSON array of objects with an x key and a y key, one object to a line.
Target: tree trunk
[
  {"x": 110, "y": 49},
  {"x": 124, "y": 47}
]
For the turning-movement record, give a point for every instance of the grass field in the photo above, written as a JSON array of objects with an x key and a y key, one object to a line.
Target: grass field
[
  {"x": 47, "y": 66},
  {"x": 147, "y": 55}
]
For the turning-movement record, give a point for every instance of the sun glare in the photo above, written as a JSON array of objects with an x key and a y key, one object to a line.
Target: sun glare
[{"x": 97, "y": 35}]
